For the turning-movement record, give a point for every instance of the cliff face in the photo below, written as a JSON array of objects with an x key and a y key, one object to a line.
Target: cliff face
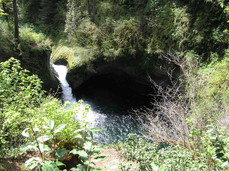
[{"x": 39, "y": 64}]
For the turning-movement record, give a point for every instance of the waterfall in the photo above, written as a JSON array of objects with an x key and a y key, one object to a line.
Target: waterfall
[
  {"x": 67, "y": 96},
  {"x": 115, "y": 125},
  {"x": 61, "y": 71}
]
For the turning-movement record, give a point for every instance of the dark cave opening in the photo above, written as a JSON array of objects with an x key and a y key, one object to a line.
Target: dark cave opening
[{"x": 117, "y": 90}]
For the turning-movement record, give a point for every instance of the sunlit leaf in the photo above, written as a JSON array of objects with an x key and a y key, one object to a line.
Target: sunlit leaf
[
  {"x": 32, "y": 162},
  {"x": 79, "y": 130},
  {"x": 59, "y": 128},
  {"x": 44, "y": 148},
  {"x": 44, "y": 138},
  {"x": 79, "y": 136}
]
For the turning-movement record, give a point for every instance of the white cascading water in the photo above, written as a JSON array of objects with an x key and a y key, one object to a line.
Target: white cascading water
[
  {"x": 61, "y": 71},
  {"x": 115, "y": 127},
  {"x": 67, "y": 96}
]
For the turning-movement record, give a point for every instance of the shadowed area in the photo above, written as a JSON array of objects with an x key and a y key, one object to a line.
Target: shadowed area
[{"x": 116, "y": 89}]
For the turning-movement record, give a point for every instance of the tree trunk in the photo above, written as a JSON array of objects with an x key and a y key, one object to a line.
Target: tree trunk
[
  {"x": 16, "y": 28},
  {"x": 93, "y": 10},
  {"x": 89, "y": 8}
]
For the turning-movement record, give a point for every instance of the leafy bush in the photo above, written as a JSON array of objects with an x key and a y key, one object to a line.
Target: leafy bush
[
  {"x": 29, "y": 37},
  {"x": 52, "y": 109},
  {"x": 32, "y": 42},
  {"x": 19, "y": 92},
  {"x": 217, "y": 80},
  {"x": 151, "y": 156},
  {"x": 48, "y": 144}
]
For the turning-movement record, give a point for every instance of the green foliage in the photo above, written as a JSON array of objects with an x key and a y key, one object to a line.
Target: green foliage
[
  {"x": 49, "y": 127},
  {"x": 151, "y": 156},
  {"x": 169, "y": 24},
  {"x": 48, "y": 15},
  {"x": 125, "y": 39},
  {"x": 212, "y": 145},
  {"x": 89, "y": 154},
  {"x": 23, "y": 103},
  {"x": 19, "y": 91},
  {"x": 32, "y": 42},
  {"x": 52, "y": 109},
  {"x": 32, "y": 39},
  {"x": 40, "y": 145},
  {"x": 217, "y": 75},
  {"x": 48, "y": 142}
]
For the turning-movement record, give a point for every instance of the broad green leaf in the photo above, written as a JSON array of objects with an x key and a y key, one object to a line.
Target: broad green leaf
[
  {"x": 74, "y": 151},
  {"x": 44, "y": 148},
  {"x": 50, "y": 167},
  {"x": 59, "y": 128},
  {"x": 28, "y": 147},
  {"x": 36, "y": 129},
  {"x": 95, "y": 169},
  {"x": 60, "y": 153},
  {"x": 81, "y": 167},
  {"x": 33, "y": 165},
  {"x": 44, "y": 138}
]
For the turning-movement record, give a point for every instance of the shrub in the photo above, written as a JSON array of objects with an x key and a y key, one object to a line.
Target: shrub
[
  {"x": 151, "y": 156},
  {"x": 19, "y": 92},
  {"x": 52, "y": 109},
  {"x": 32, "y": 41}
]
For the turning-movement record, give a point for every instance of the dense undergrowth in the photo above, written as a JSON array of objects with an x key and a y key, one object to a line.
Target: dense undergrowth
[{"x": 188, "y": 127}]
